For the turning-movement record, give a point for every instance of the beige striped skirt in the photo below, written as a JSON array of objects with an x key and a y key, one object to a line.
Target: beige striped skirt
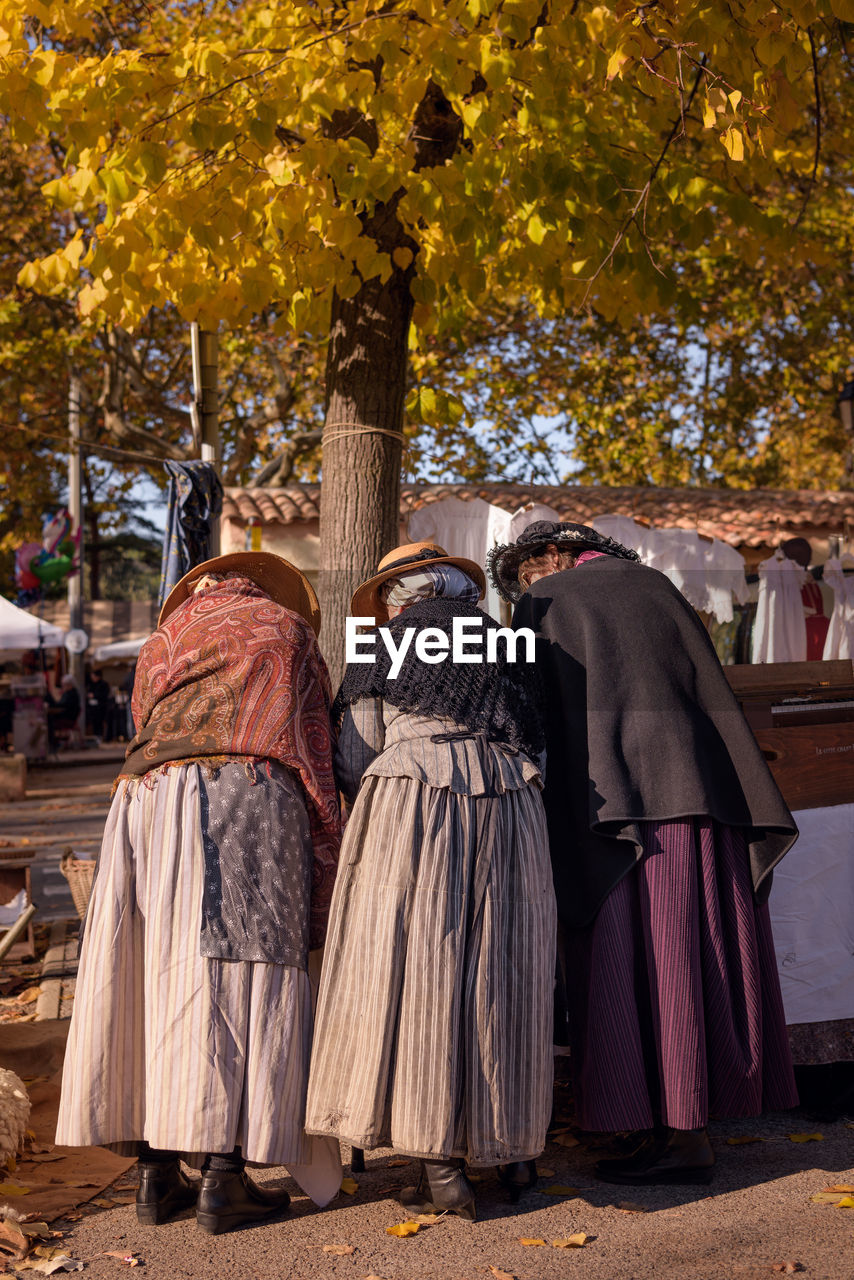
[
  {"x": 189, "y": 1054},
  {"x": 434, "y": 1020}
]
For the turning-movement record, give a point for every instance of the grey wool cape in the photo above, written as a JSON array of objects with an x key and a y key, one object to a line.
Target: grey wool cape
[{"x": 641, "y": 724}]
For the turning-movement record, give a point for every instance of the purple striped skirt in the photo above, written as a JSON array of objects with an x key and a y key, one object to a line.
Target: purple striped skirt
[{"x": 675, "y": 1006}]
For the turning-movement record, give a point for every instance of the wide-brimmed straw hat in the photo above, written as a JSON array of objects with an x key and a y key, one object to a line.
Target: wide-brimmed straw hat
[
  {"x": 505, "y": 561},
  {"x": 281, "y": 580},
  {"x": 366, "y": 601}
]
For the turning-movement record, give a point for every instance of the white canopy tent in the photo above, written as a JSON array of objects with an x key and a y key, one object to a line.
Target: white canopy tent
[{"x": 20, "y": 630}]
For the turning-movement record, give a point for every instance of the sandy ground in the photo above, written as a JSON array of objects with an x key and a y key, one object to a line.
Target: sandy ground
[{"x": 756, "y": 1218}]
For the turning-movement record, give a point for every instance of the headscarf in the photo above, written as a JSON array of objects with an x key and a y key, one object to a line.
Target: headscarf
[{"x": 439, "y": 582}]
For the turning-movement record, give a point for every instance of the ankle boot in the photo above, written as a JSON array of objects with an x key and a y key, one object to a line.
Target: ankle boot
[
  {"x": 163, "y": 1191},
  {"x": 517, "y": 1177},
  {"x": 442, "y": 1188},
  {"x": 676, "y": 1157},
  {"x": 228, "y": 1200}
]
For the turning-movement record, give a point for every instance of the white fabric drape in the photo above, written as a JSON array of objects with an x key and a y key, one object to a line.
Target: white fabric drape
[
  {"x": 709, "y": 573},
  {"x": 467, "y": 529},
  {"x": 840, "y": 634},
  {"x": 812, "y": 912},
  {"x": 780, "y": 631}
]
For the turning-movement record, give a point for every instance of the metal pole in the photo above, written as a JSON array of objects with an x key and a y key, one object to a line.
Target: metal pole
[
  {"x": 205, "y": 356},
  {"x": 75, "y": 511}
]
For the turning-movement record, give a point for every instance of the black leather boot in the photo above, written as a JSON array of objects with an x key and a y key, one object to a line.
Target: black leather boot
[
  {"x": 677, "y": 1157},
  {"x": 228, "y": 1200},
  {"x": 163, "y": 1191},
  {"x": 442, "y": 1188},
  {"x": 517, "y": 1177}
]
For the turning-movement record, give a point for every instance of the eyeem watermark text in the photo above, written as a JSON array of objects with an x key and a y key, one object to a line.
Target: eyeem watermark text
[{"x": 432, "y": 644}]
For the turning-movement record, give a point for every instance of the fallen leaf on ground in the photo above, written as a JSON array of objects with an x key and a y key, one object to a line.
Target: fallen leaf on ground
[
  {"x": 39, "y": 1229},
  {"x": 847, "y": 1202},
  {"x": 805, "y": 1137},
  {"x": 349, "y": 1186},
  {"x": 628, "y": 1206},
  {"x": 788, "y": 1267},
  {"x": 123, "y": 1197},
  {"x": 530, "y": 1240},
  {"x": 572, "y": 1242},
  {"x": 545, "y": 1173},
  {"x": 397, "y": 1164},
  {"x": 340, "y": 1250},
  {"x": 47, "y": 1266},
  {"x": 104, "y": 1204},
  {"x": 28, "y": 996},
  {"x": 426, "y": 1219},
  {"x": 12, "y": 1239},
  {"x": 558, "y": 1190},
  {"x": 13, "y": 1189},
  {"x": 132, "y": 1259},
  {"x": 403, "y": 1229},
  {"x": 501, "y": 1275},
  {"x": 844, "y": 1187},
  {"x": 566, "y": 1140},
  {"x": 743, "y": 1141},
  {"x": 373, "y": 1278}
]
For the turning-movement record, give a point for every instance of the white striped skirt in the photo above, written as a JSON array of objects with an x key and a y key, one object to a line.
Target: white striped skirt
[
  {"x": 189, "y": 1054},
  {"x": 434, "y": 1018}
]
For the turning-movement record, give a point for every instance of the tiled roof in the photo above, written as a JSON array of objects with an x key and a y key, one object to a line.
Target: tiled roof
[{"x": 742, "y": 517}]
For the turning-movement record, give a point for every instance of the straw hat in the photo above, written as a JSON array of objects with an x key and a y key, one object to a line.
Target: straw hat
[
  {"x": 412, "y": 555},
  {"x": 281, "y": 580}
]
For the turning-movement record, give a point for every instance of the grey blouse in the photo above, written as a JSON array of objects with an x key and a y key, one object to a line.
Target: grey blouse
[{"x": 379, "y": 740}]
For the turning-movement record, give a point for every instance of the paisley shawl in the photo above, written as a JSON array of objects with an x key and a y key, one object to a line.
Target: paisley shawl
[{"x": 231, "y": 675}]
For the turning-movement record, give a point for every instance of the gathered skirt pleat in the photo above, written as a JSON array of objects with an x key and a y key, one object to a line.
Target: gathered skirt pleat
[
  {"x": 674, "y": 999},
  {"x": 187, "y": 1053},
  {"x": 434, "y": 1016}
]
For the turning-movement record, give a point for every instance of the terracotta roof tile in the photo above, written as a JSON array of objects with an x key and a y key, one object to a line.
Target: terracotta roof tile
[{"x": 742, "y": 517}]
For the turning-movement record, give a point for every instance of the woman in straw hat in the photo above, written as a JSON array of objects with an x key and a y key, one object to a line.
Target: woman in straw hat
[
  {"x": 193, "y": 1012},
  {"x": 434, "y": 1015}
]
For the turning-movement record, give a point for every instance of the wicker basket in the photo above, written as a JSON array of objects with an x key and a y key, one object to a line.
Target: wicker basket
[{"x": 79, "y": 872}]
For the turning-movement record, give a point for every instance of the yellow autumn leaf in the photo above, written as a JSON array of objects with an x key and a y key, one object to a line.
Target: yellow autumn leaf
[
  {"x": 571, "y": 1242},
  {"x": 402, "y": 257},
  {"x": 403, "y": 1229},
  {"x": 558, "y": 1190},
  {"x": 339, "y": 1250},
  {"x": 740, "y": 1142},
  {"x": 734, "y": 143},
  {"x": 805, "y": 1137},
  {"x": 349, "y": 1186},
  {"x": 847, "y": 1202},
  {"x": 825, "y": 1197},
  {"x": 616, "y": 62},
  {"x": 530, "y": 1240},
  {"x": 841, "y": 1186},
  {"x": 12, "y": 1189}
]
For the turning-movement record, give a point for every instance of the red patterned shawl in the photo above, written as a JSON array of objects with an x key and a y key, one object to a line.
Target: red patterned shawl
[{"x": 233, "y": 675}]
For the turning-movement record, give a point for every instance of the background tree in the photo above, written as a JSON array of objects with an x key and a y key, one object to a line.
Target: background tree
[{"x": 350, "y": 168}]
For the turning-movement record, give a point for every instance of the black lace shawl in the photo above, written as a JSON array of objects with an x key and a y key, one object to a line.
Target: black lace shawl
[{"x": 498, "y": 699}]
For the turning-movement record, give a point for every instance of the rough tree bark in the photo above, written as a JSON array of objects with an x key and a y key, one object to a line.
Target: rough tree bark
[{"x": 365, "y": 388}]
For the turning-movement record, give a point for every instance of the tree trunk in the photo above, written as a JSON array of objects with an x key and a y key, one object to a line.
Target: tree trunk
[{"x": 360, "y": 502}]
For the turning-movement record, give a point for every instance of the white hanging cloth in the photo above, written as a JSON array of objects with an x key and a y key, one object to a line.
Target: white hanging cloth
[
  {"x": 840, "y": 634},
  {"x": 780, "y": 630},
  {"x": 625, "y": 530},
  {"x": 464, "y": 529},
  {"x": 530, "y": 514},
  {"x": 707, "y": 572}
]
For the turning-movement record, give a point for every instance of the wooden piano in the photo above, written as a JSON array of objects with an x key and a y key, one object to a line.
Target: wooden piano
[{"x": 803, "y": 716}]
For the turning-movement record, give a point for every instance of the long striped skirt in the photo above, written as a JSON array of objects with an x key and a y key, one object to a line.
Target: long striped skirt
[
  {"x": 434, "y": 1016},
  {"x": 186, "y": 1053},
  {"x": 673, "y": 993}
]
